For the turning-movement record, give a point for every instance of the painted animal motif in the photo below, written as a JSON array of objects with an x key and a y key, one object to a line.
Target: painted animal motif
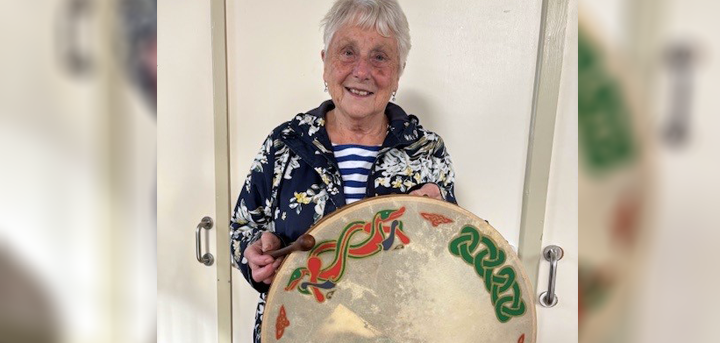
[{"x": 381, "y": 233}]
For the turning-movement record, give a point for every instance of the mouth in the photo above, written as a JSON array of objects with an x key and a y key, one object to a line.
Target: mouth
[{"x": 359, "y": 92}]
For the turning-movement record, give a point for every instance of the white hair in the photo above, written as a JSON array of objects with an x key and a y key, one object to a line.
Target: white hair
[{"x": 385, "y": 16}]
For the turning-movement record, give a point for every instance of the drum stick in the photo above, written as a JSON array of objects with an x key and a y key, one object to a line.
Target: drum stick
[{"x": 303, "y": 243}]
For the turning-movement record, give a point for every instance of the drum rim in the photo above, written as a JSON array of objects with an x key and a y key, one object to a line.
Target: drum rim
[{"x": 526, "y": 280}]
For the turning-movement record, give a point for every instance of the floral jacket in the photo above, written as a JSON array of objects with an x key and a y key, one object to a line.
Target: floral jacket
[{"x": 295, "y": 180}]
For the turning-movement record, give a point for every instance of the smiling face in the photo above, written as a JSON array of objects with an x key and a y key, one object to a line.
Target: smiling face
[{"x": 361, "y": 70}]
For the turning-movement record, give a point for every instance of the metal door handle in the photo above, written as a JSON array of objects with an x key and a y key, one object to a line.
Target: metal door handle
[
  {"x": 206, "y": 259},
  {"x": 73, "y": 23},
  {"x": 552, "y": 254},
  {"x": 681, "y": 58}
]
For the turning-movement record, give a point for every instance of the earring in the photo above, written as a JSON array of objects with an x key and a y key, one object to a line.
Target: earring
[
  {"x": 325, "y": 88},
  {"x": 393, "y": 95}
]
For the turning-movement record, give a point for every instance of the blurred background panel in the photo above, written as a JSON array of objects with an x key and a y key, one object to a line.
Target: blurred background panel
[
  {"x": 77, "y": 138},
  {"x": 648, "y": 187}
]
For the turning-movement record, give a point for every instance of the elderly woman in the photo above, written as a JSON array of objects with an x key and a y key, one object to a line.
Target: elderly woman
[{"x": 354, "y": 146}]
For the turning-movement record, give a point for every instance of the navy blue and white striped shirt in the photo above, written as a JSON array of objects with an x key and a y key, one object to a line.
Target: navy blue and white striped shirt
[{"x": 355, "y": 162}]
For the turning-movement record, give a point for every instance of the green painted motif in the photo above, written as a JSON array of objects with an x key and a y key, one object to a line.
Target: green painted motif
[
  {"x": 500, "y": 281},
  {"x": 604, "y": 126}
]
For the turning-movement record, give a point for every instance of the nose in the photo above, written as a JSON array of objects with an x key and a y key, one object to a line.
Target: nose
[{"x": 361, "y": 70}]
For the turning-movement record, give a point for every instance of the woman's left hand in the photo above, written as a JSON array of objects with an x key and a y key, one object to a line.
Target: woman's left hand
[{"x": 429, "y": 190}]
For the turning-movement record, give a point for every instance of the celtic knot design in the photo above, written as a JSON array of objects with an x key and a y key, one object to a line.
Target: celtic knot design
[
  {"x": 379, "y": 235},
  {"x": 281, "y": 323},
  {"x": 500, "y": 281}
]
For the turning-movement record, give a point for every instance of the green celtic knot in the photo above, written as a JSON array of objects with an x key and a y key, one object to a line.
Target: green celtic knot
[{"x": 499, "y": 281}]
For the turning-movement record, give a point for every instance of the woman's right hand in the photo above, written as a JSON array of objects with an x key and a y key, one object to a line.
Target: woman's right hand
[{"x": 263, "y": 266}]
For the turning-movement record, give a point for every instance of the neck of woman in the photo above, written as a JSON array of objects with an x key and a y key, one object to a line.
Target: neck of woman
[{"x": 366, "y": 131}]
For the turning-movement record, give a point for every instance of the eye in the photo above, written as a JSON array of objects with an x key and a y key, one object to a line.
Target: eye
[
  {"x": 380, "y": 58},
  {"x": 346, "y": 53}
]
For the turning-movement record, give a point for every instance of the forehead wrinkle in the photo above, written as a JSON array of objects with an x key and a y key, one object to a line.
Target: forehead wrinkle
[
  {"x": 381, "y": 48},
  {"x": 378, "y": 46}
]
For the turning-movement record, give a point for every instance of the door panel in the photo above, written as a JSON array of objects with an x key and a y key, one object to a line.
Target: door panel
[
  {"x": 186, "y": 296},
  {"x": 559, "y": 323}
]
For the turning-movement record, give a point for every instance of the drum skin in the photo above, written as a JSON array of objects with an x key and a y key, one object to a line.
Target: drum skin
[{"x": 401, "y": 268}]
